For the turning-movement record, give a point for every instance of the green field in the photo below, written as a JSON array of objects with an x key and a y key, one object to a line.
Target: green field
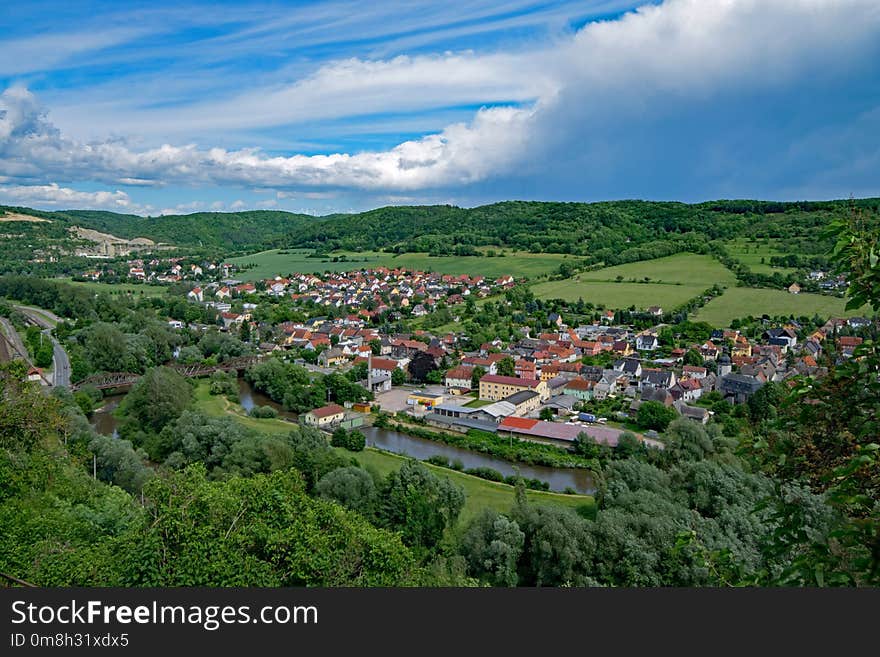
[
  {"x": 520, "y": 264},
  {"x": 685, "y": 268},
  {"x": 119, "y": 288},
  {"x": 673, "y": 280},
  {"x": 480, "y": 493},
  {"x": 737, "y": 302},
  {"x": 750, "y": 254},
  {"x": 618, "y": 295}
]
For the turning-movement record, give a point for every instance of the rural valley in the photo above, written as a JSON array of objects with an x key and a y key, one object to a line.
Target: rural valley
[{"x": 616, "y": 392}]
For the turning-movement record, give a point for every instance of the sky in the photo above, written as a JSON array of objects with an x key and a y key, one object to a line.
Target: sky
[{"x": 341, "y": 106}]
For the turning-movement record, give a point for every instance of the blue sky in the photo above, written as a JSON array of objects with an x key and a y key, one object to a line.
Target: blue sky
[{"x": 325, "y": 107}]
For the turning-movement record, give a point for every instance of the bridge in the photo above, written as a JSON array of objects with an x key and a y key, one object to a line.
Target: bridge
[{"x": 110, "y": 380}]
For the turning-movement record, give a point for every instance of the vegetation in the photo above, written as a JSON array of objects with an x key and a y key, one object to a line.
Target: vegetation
[
  {"x": 780, "y": 491},
  {"x": 743, "y": 302}
]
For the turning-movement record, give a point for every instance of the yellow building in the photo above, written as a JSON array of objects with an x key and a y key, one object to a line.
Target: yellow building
[
  {"x": 494, "y": 387},
  {"x": 324, "y": 416},
  {"x": 741, "y": 347},
  {"x": 425, "y": 399}
]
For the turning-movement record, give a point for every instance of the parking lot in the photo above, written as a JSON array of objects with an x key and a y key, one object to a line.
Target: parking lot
[{"x": 395, "y": 399}]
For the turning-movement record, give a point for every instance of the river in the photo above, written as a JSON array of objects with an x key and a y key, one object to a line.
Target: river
[
  {"x": 420, "y": 448},
  {"x": 102, "y": 418},
  {"x": 559, "y": 479}
]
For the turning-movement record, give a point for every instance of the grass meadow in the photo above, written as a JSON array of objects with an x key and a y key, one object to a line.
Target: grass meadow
[
  {"x": 283, "y": 262},
  {"x": 665, "y": 282}
]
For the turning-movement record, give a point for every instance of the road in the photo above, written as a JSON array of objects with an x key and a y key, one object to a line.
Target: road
[{"x": 60, "y": 361}]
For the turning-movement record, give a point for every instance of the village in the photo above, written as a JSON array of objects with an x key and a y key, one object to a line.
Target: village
[{"x": 551, "y": 387}]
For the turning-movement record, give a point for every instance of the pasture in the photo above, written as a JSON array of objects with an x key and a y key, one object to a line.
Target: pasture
[
  {"x": 665, "y": 282},
  {"x": 282, "y": 262},
  {"x": 738, "y": 302},
  {"x": 684, "y": 268},
  {"x": 756, "y": 255}
]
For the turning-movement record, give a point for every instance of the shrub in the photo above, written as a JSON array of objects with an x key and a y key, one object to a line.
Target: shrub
[
  {"x": 263, "y": 412},
  {"x": 486, "y": 473}
]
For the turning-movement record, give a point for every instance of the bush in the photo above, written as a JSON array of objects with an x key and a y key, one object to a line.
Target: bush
[
  {"x": 486, "y": 473},
  {"x": 438, "y": 459},
  {"x": 263, "y": 412},
  {"x": 353, "y": 441}
]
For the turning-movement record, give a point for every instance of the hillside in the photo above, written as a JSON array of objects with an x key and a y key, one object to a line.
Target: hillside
[{"x": 612, "y": 232}]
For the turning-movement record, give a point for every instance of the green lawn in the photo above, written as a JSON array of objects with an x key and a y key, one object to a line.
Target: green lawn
[
  {"x": 120, "y": 288},
  {"x": 478, "y": 403},
  {"x": 520, "y": 264},
  {"x": 750, "y": 254},
  {"x": 674, "y": 280},
  {"x": 737, "y": 302},
  {"x": 480, "y": 492},
  {"x": 219, "y": 406}
]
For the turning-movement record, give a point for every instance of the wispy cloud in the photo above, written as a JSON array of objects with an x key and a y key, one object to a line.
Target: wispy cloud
[{"x": 667, "y": 90}]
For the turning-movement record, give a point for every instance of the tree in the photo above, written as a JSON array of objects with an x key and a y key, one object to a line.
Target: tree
[
  {"x": 398, "y": 376},
  {"x": 506, "y": 367},
  {"x": 693, "y": 357},
  {"x": 119, "y": 463},
  {"x": 26, "y": 415},
  {"x": 476, "y": 375},
  {"x": 557, "y": 546},
  {"x": 492, "y": 546},
  {"x": 547, "y": 414},
  {"x": 258, "y": 531},
  {"x": 421, "y": 366},
  {"x": 419, "y": 504},
  {"x": 353, "y": 441},
  {"x": 105, "y": 347},
  {"x": 358, "y": 372},
  {"x": 312, "y": 455},
  {"x": 654, "y": 415},
  {"x": 159, "y": 397},
  {"x": 244, "y": 333},
  {"x": 628, "y": 445},
  {"x": 352, "y": 487}
]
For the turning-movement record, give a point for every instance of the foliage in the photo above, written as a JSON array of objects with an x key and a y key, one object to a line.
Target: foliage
[
  {"x": 159, "y": 397},
  {"x": 419, "y": 504},
  {"x": 654, "y": 415},
  {"x": 353, "y": 441},
  {"x": 492, "y": 546},
  {"x": 352, "y": 487}
]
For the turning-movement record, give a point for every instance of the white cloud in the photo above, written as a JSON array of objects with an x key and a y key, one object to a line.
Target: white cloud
[
  {"x": 47, "y": 51},
  {"x": 65, "y": 197},
  {"x": 640, "y": 65}
]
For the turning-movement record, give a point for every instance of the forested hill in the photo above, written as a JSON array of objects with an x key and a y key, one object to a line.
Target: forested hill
[{"x": 578, "y": 228}]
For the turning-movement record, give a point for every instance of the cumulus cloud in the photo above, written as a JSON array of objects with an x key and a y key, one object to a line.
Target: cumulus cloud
[
  {"x": 31, "y": 148},
  {"x": 65, "y": 197},
  {"x": 575, "y": 98}
]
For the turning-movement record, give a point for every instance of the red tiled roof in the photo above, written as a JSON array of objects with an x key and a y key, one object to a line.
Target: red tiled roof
[
  {"x": 327, "y": 411},
  {"x": 511, "y": 422},
  {"x": 379, "y": 363},
  {"x": 460, "y": 372}
]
